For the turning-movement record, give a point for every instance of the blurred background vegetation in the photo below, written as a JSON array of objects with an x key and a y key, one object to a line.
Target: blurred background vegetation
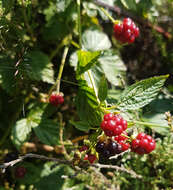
[{"x": 33, "y": 35}]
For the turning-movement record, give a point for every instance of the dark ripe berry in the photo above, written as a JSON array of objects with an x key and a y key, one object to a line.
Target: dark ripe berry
[
  {"x": 100, "y": 147},
  {"x": 10, "y": 156},
  {"x": 20, "y": 172},
  {"x": 112, "y": 147},
  {"x": 119, "y": 149},
  {"x": 56, "y": 99},
  {"x": 83, "y": 148},
  {"x": 106, "y": 153}
]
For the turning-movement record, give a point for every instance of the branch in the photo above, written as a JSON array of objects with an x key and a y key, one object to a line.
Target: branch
[
  {"x": 4, "y": 166},
  {"x": 122, "y": 12},
  {"x": 122, "y": 169},
  {"x": 30, "y": 155}
]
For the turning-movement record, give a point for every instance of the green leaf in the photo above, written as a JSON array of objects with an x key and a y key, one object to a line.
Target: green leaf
[
  {"x": 141, "y": 93},
  {"x": 157, "y": 118},
  {"x": 8, "y": 81},
  {"x": 81, "y": 125},
  {"x": 112, "y": 66},
  {"x": 95, "y": 40},
  {"x": 33, "y": 172},
  {"x": 61, "y": 5},
  {"x": 86, "y": 60},
  {"x": 21, "y": 132},
  {"x": 52, "y": 178},
  {"x": 47, "y": 131},
  {"x": 129, "y": 4},
  {"x": 103, "y": 89},
  {"x": 7, "y": 5},
  {"x": 87, "y": 105},
  {"x": 39, "y": 67}
]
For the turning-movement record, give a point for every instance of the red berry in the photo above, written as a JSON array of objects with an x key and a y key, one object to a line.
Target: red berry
[
  {"x": 126, "y": 32},
  {"x": 113, "y": 125},
  {"x": 20, "y": 172},
  {"x": 143, "y": 144},
  {"x": 125, "y": 146},
  {"x": 56, "y": 99},
  {"x": 91, "y": 158}
]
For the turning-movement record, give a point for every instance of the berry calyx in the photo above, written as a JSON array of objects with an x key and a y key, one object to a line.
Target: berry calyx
[
  {"x": 56, "y": 99},
  {"x": 113, "y": 125},
  {"x": 20, "y": 172},
  {"x": 126, "y": 31},
  {"x": 143, "y": 144}
]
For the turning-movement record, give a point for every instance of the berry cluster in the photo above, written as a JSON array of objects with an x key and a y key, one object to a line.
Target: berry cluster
[
  {"x": 113, "y": 125},
  {"x": 126, "y": 32},
  {"x": 143, "y": 144},
  {"x": 56, "y": 99},
  {"x": 108, "y": 149}
]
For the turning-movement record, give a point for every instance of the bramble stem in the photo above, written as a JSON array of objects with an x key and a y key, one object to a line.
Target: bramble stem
[
  {"x": 58, "y": 80},
  {"x": 79, "y": 22},
  {"x": 108, "y": 15},
  {"x": 61, "y": 126}
]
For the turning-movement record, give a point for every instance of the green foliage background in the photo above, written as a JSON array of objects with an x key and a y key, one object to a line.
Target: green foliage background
[{"x": 33, "y": 35}]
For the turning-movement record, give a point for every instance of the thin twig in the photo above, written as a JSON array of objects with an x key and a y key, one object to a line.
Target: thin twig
[
  {"x": 30, "y": 155},
  {"x": 131, "y": 172}
]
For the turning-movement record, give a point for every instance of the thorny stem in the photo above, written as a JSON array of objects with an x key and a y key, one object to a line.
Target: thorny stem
[
  {"x": 61, "y": 126},
  {"x": 79, "y": 22},
  {"x": 58, "y": 80}
]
